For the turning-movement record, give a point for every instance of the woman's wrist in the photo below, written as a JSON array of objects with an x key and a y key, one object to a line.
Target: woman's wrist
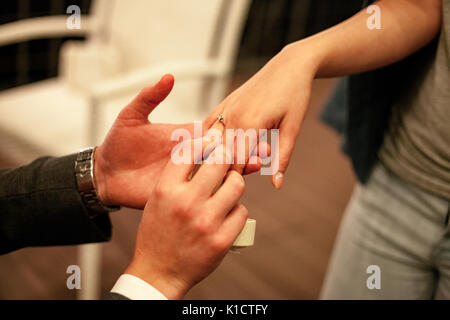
[{"x": 305, "y": 56}]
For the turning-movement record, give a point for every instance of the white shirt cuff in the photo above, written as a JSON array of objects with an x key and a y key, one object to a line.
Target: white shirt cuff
[{"x": 136, "y": 289}]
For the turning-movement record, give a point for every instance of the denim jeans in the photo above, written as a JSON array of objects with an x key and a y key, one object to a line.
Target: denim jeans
[{"x": 400, "y": 229}]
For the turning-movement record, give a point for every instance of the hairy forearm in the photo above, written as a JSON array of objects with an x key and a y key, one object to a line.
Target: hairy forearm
[{"x": 351, "y": 47}]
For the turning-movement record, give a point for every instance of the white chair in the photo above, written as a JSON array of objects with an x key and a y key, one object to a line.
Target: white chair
[{"x": 130, "y": 44}]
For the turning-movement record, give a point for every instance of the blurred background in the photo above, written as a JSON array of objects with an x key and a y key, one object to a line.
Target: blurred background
[{"x": 44, "y": 94}]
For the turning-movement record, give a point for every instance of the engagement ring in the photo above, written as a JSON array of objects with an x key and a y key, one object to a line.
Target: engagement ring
[{"x": 220, "y": 118}]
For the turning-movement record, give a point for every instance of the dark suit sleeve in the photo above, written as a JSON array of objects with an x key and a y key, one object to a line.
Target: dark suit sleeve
[
  {"x": 40, "y": 206},
  {"x": 114, "y": 296}
]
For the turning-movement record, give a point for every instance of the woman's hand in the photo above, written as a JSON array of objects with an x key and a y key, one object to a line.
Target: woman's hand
[{"x": 276, "y": 97}]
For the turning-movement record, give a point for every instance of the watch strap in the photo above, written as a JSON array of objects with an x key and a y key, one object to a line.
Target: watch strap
[{"x": 84, "y": 173}]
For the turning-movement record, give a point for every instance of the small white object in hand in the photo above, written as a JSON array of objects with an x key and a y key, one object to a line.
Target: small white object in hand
[{"x": 247, "y": 236}]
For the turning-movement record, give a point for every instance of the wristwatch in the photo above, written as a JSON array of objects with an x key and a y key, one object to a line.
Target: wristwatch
[{"x": 84, "y": 173}]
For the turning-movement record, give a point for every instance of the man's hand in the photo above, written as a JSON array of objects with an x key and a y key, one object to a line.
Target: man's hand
[
  {"x": 135, "y": 151},
  {"x": 188, "y": 226},
  {"x": 129, "y": 162}
]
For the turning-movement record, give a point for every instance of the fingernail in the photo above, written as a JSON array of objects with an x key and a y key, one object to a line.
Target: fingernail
[{"x": 279, "y": 180}]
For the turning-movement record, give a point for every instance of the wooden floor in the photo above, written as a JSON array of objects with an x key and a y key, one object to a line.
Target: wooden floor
[{"x": 296, "y": 228}]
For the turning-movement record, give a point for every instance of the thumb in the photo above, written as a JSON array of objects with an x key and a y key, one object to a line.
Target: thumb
[
  {"x": 147, "y": 100},
  {"x": 289, "y": 130}
]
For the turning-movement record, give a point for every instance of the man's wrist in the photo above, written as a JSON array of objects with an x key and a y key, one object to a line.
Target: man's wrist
[
  {"x": 135, "y": 288},
  {"x": 170, "y": 287},
  {"x": 100, "y": 178}
]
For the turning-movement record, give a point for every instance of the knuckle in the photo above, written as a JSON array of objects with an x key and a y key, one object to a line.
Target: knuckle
[
  {"x": 244, "y": 211},
  {"x": 202, "y": 227},
  {"x": 167, "y": 191},
  {"x": 219, "y": 244},
  {"x": 183, "y": 204},
  {"x": 183, "y": 208},
  {"x": 160, "y": 191},
  {"x": 238, "y": 182}
]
